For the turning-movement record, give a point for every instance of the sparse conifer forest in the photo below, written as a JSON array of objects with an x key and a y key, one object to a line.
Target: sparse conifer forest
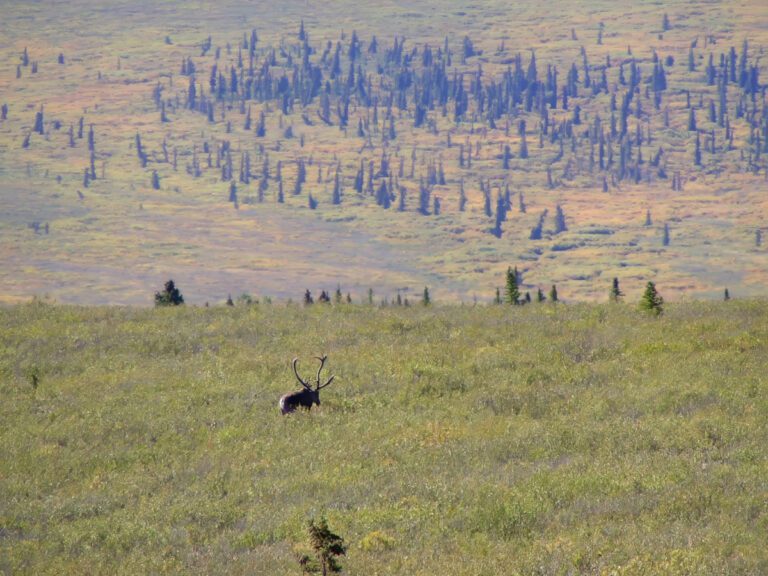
[{"x": 525, "y": 239}]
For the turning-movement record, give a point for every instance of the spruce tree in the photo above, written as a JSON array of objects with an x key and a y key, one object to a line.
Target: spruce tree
[
  {"x": 651, "y": 301},
  {"x": 425, "y": 300},
  {"x": 169, "y": 296},
  {"x": 616, "y": 294},
  {"x": 336, "y": 197},
  {"x": 512, "y": 289},
  {"x": 553, "y": 294},
  {"x": 327, "y": 546},
  {"x": 560, "y": 225},
  {"x": 726, "y": 295},
  {"x": 540, "y": 295}
]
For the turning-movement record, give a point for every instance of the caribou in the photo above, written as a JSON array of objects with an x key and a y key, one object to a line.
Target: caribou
[{"x": 308, "y": 396}]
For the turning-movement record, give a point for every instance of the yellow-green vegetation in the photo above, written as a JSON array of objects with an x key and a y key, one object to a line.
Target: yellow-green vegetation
[
  {"x": 543, "y": 439},
  {"x": 112, "y": 242}
]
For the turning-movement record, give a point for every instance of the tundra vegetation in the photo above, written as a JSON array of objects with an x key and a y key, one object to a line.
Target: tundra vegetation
[
  {"x": 244, "y": 148},
  {"x": 538, "y": 439},
  {"x": 403, "y": 153}
]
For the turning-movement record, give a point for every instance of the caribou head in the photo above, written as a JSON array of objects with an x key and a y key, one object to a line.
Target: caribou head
[{"x": 308, "y": 396}]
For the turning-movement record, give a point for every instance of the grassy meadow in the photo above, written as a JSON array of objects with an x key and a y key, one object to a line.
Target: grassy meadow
[{"x": 456, "y": 440}]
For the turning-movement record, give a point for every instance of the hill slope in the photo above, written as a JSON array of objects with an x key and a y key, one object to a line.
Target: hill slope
[
  {"x": 455, "y": 440},
  {"x": 143, "y": 142}
]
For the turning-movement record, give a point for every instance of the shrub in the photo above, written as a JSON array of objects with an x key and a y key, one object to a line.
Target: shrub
[{"x": 169, "y": 296}]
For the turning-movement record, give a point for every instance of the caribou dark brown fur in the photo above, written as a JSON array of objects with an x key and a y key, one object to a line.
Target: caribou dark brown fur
[{"x": 308, "y": 396}]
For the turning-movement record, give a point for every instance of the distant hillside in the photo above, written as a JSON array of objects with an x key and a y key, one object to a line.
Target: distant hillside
[{"x": 298, "y": 145}]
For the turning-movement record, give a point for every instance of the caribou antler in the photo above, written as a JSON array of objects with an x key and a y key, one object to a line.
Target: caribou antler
[
  {"x": 326, "y": 384},
  {"x": 295, "y": 371},
  {"x": 317, "y": 378},
  {"x": 307, "y": 397},
  {"x": 322, "y": 359}
]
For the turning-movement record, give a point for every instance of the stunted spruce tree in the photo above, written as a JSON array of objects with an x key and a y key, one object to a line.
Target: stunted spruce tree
[
  {"x": 616, "y": 294},
  {"x": 327, "y": 547},
  {"x": 652, "y": 300},
  {"x": 169, "y": 296},
  {"x": 513, "y": 291}
]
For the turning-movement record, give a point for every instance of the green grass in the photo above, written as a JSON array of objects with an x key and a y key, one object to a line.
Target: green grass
[{"x": 587, "y": 439}]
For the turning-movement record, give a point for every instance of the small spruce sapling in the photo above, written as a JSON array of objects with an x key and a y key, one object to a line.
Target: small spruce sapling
[
  {"x": 512, "y": 289},
  {"x": 327, "y": 548},
  {"x": 616, "y": 294},
  {"x": 169, "y": 296},
  {"x": 652, "y": 301}
]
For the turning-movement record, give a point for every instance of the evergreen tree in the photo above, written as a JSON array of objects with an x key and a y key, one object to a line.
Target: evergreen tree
[
  {"x": 308, "y": 298},
  {"x": 616, "y": 293},
  {"x": 230, "y": 302},
  {"x": 337, "y": 295},
  {"x": 336, "y": 198},
  {"x": 665, "y": 235},
  {"x": 497, "y": 298},
  {"x": 553, "y": 294},
  {"x": 652, "y": 300},
  {"x": 261, "y": 127},
  {"x": 726, "y": 295},
  {"x": 692, "y": 120},
  {"x": 327, "y": 547},
  {"x": 540, "y": 295},
  {"x": 169, "y": 296},
  {"x": 560, "y": 225},
  {"x": 512, "y": 289},
  {"x": 697, "y": 151},
  {"x": 425, "y": 300},
  {"x": 39, "y": 127}
]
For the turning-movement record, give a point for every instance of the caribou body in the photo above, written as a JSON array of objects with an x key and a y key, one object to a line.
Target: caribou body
[{"x": 308, "y": 396}]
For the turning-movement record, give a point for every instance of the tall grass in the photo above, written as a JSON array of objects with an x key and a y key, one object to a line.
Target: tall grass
[{"x": 588, "y": 439}]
